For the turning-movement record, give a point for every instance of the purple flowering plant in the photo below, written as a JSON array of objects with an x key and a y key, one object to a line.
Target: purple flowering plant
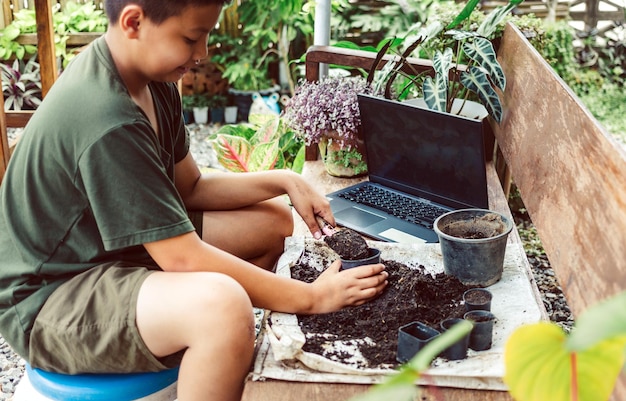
[{"x": 330, "y": 104}]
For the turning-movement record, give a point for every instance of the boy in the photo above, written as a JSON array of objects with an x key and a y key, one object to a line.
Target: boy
[{"x": 102, "y": 270}]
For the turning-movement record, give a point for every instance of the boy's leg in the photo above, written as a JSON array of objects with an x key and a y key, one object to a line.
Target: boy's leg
[
  {"x": 254, "y": 233},
  {"x": 211, "y": 316}
]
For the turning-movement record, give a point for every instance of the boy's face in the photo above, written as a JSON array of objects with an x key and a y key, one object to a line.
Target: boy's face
[{"x": 171, "y": 48}]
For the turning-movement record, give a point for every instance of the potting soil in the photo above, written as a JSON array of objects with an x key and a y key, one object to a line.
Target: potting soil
[
  {"x": 411, "y": 295},
  {"x": 350, "y": 346}
]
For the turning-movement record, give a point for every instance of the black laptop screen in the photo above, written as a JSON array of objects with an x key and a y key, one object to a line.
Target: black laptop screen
[{"x": 417, "y": 151}]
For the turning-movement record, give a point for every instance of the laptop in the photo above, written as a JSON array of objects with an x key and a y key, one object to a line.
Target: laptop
[{"x": 414, "y": 154}]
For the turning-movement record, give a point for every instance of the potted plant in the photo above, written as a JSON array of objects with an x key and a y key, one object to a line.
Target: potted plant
[
  {"x": 217, "y": 103},
  {"x": 264, "y": 143},
  {"x": 464, "y": 63},
  {"x": 188, "y": 101},
  {"x": 200, "y": 105},
  {"x": 245, "y": 68},
  {"x": 21, "y": 84},
  {"x": 230, "y": 112},
  {"x": 326, "y": 113}
]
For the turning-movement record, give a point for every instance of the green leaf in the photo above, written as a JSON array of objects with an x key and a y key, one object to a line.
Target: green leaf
[
  {"x": 242, "y": 130},
  {"x": 430, "y": 31},
  {"x": 461, "y": 35},
  {"x": 19, "y": 52},
  {"x": 537, "y": 364},
  {"x": 476, "y": 80},
  {"x": 11, "y": 32},
  {"x": 490, "y": 23},
  {"x": 263, "y": 156},
  {"x": 482, "y": 52},
  {"x": 464, "y": 14},
  {"x": 435, "y": 93},
  {"x": 269, "y": 128},
  {"x": 442, "y": 63},
  {"x": 401, "y": 386},
  {"x": 540, "y": 367},
  {"x": 298, "y": 161},
  {"x": 600, "y": 322},
  {"x": 233, "y": 152}
]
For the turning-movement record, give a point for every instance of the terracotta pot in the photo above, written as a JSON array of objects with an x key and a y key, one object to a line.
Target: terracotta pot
[{"x": 333, "y": 153}]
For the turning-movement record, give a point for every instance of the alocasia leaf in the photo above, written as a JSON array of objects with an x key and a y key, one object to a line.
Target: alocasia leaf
[
  {"x": 435, "y": 93},
  {"x": 476, "y": 80},
  {"x": 481, "y": 51}
]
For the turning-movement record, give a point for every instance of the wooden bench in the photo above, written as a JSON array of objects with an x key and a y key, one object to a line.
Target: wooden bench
[{"x": 571, "y": 175}]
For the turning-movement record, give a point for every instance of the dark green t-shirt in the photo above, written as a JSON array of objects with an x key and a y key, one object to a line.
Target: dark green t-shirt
[{"x": 89, "y": 182}]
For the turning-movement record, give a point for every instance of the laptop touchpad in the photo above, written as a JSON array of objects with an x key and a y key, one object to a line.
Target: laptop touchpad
[{"x": 358, "y": 217}]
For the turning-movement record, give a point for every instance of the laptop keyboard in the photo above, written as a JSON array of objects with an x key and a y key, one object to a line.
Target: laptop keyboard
[{"x": 403, "y": 207}]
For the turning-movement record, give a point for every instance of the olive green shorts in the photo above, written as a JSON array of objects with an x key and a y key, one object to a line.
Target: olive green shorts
[{"x": 88, "y": 325}]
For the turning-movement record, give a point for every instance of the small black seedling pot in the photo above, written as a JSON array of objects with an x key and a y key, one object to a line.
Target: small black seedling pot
[
  {"x": 413, "y": 337},
  {"x": 458, "y": 350},
  {"x": 477, "y": 299},
  {"x": 482, "y": 333},
  {"x": 373, "y": 258}
]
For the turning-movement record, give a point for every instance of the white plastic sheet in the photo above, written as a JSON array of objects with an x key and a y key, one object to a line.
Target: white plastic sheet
[{"x": 515, "y": 302}]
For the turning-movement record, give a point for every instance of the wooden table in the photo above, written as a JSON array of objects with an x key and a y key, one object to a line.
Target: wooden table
[{"x": 278, "y": 390}]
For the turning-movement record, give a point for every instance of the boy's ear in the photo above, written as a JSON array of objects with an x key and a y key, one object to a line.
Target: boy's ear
[{"x": 131, "y": 18}]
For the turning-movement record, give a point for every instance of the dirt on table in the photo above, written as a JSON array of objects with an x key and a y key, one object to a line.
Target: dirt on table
[
  {"x": 411, "y": 295},
  {"x": 348, "y": 244}
]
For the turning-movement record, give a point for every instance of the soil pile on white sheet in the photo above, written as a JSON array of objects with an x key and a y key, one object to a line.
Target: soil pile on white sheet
[{"x": 411, "y": 295}]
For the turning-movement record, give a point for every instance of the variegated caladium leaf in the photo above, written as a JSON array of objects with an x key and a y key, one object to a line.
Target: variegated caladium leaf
[
  {"x": 482, "y": 52},
  {"x": 269, "y": 129},
  {"x": 264, "y": 156},
  {"x": 476, "y": 80},
  {"x": 233, "y": 152}
]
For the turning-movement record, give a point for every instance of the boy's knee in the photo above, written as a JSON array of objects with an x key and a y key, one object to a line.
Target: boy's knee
[
  {"x": 283, "y": 216},
  {"x": 216, "y": 289}
]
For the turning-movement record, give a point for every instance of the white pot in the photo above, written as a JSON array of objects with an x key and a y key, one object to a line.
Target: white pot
[
  {"x": 201, "y": 115},
  {"x": 470, "y": 109},
  {"x": 230, "y": 114}
]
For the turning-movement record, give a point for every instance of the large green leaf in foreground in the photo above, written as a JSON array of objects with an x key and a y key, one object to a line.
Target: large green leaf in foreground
[{"x": 542, "y": 363}]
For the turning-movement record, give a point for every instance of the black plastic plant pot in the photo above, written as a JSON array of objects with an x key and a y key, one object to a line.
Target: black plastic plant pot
[
  {"x": 413, "y": 337},
  {"x": 482, "y": 333},
  {"x": 477, "y": 299},
  {"x": 373, "y": 258},
  {"x": 473, "y": 244},
  {"x": 458, "y": 350}
]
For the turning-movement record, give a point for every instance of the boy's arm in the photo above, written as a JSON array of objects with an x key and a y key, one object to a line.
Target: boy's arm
[
  {"x": 227, "y": 191},
  {"x": 333, "y": 290}
]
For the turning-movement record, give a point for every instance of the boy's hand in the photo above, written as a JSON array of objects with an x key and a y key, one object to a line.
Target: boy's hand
[
  {"x": 335, "y": 289},
  {"x": 310, "y": 204}
]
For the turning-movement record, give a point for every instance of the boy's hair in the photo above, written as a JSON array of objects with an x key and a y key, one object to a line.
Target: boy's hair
[{"x": 156, "y": 10}]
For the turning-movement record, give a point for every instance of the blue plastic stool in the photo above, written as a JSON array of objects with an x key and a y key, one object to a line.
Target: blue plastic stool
[{"x": 159, "y": 386}]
